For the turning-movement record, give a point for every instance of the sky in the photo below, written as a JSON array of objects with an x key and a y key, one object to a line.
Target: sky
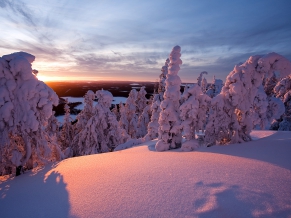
[{"x": 130, "y": 40}]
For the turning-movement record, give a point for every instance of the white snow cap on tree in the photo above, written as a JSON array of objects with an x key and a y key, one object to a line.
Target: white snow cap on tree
[
  {"x": 104, "y": 98},
  {"x": 199, "y": 79},
  {"x": 25, "y": 107},
  {"x": 169, "y": 120}
]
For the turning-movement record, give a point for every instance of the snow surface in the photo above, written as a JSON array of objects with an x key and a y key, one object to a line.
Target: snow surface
[{"x": 252, "y": 179}]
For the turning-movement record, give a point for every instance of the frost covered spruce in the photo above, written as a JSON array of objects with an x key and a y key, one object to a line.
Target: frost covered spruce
[
  {"x": 170, "y": 136},
  {"x": 283, "y": 91},
  {"x": 25, "y": 108},
  {"x": 193, "y": 111},
  {"x": 101, "y": 133},
  {"x": 231, "y": 117}
]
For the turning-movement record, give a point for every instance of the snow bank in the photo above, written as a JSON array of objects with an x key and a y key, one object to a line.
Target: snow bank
[{"x": 241, "y": 180}]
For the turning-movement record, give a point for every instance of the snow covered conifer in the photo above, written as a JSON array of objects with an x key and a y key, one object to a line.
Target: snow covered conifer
[
  {"x": 169, "y": 120},
  {"x": 239, "y": 92},
  {"x": 189, "y": 111},
  {"x": 153, "y": 126},
  {"x": 141, "y": 101},
  {"x": 283, "y": 91},
  {"x": 67, "y": 132},
  {"x": 25, "y": 107},
  {"x": 215, "y": 88},
  {"x": 115, "y": 110},
  {"x": 193, "y": 111},
  {"x": 87, "y": 112},
  {"x": 219, "y": 121},
  {"x": 143, "y": 121},
  {"x": 199, "y": 79},
  {"x": 102, "y": 132},
  {"x": 163, "y": 77},
  {"x": 204, "y": 85},
  {"x": 128, "y": 116}
]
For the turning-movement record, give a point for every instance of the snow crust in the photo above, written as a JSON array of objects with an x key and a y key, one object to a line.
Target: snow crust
[{"x": 239, "y": 180}]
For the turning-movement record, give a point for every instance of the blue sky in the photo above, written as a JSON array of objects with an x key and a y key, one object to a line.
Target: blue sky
[{"x": 130, "y": 40}]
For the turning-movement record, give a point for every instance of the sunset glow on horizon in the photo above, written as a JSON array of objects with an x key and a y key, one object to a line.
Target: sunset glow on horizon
[{"x": 130, "y": 40}]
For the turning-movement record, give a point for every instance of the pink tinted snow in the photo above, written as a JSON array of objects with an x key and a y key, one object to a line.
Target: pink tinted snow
[{"x": 240, "y": 180}]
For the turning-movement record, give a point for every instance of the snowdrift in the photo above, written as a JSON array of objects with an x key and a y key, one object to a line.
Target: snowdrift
[{"x": 240, "y": 180}]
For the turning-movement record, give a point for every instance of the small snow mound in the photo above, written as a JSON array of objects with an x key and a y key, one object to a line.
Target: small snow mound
[
  {"x": 129, "y": 144},
  {"x": 190, "y": 145},
  {"x": 162, "y": 146},
  {"x": 258, "y": 134}
]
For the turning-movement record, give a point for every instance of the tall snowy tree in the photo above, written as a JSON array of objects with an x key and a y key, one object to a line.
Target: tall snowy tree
[
  {"x": 141, "y": 101},
  {"x": 128, "y": 116},
  {"x": 67, "y": 133},
  {"x": 169, "y": 120},
  {"x": 25, "y": 107}
]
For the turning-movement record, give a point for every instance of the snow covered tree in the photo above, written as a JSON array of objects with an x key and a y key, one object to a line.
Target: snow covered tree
[
  {"x": 189, "y": 111},
  {"x": 283, "y": 91},
  {"x": 163, "y": 77},
  {"x": 204, "y": 85},
  {"x": 238, "y": 94},
  {"x": 102, "y": 132},
  {"x": 143, "y": 113},
  {"x": 214, "y": 88},
  {"x": 128, "y": 117},
  {"x": 115, "y": 110},
  {"x": 67, "y": 133},
  {"x": 153, "y": 126},
  {"x": 199, "y": 79},
  {"x": 193, "y": 114},
  {"x": 87, "y": 112},
  {"x": 141, "y": 101},
  {"x": 143, "y": 121},
  {"x": 25, "y": 108},
  {"x": 53, "y": 135},
  {"x": 260, "y": 106},
  {"x": 169, "y": 120},
  {"x": 219, "y": 123}
]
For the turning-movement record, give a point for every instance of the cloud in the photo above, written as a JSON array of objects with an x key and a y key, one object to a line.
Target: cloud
[{"x": 19, "y": 8}]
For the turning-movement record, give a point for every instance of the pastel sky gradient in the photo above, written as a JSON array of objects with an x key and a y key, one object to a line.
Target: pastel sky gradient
[{"x": 130, "y": 39}]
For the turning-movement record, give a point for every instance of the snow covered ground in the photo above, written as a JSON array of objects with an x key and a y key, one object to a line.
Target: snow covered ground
[{"x": 240, "y": 180}]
